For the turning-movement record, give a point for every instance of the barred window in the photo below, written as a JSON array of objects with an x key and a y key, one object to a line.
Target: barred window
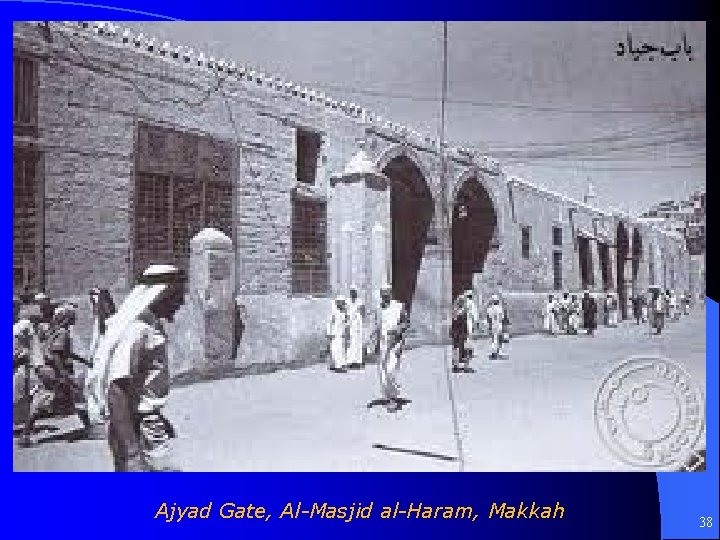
[
  {"x": 309, "y": 246},
  {"x": 525, "y": 245},
  {"x": 27, "y": 221},
  {"x": 557, "y": 270},
  {"x": 183, "y": 183},
  {"x": 25, "y": 95},
  {"x": 307, "y": 153},
  {"x": 557, "y": 236}
]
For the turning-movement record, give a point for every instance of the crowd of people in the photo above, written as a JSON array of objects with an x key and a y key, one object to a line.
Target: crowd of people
[
  {"x": 567, "y": 315},
  {"x": 120, "y": 388},
  {"x": 118, "y": 391}
]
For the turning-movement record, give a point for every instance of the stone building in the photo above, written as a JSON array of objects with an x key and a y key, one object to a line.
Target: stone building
[{"x": 125, "y": 148}]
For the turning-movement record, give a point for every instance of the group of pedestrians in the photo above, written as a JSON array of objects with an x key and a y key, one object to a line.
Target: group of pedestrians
[
  {"x": 356, "y": 333},
  {"x": 467, "y": 325},
  {"x": 567, "y": 314},
  {"x": 47, "y": 374},
  {"x": 121, "y": 393}
]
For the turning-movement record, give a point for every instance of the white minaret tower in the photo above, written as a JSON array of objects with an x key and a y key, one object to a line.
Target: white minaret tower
[{"x": 589, "y": 197}]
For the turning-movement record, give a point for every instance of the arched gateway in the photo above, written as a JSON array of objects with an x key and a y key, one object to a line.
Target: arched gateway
[
  {"x": 411, "y": 211},
  {"x": 473, "y": 227}
]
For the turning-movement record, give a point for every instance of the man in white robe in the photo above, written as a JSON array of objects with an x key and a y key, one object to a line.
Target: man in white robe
[
  {"x": 393, "y": 323},
  {"x": 473, "y": 326},
  {"x": 496, "y": 318},
  {"x": 338, "y": 333},
  {"x": 550, "y": 316},
  {"x": 356, "y": 322}
]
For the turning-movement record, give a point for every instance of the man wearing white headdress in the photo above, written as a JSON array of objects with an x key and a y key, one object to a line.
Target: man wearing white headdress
[
  {"x": 338, "y": 332},
  {"x": 131, "y": 373},
  {"x": 496, "y": 326},
  {"x": 550, "y": 315},
  {"x": 356, "y": 322},
  {"x": 393, "y": 323},
  {"x": 473, "y": 325}
]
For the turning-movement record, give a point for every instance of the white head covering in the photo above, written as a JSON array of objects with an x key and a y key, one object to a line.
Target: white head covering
[{"x": 141, "y": 297}]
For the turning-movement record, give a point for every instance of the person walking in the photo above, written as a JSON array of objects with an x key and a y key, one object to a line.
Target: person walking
[
  {"x": 459, "y": 333},
  {"x": 132, "y": 379},
  {"x": 393, "y": 323},
  {"x": 356, "y": 323},
  {"x": 338, "y": 332},
  {"x": 589, "y": 311},
  {"x": 550, "y": 316},
  {"x": 497, "y": 322}
]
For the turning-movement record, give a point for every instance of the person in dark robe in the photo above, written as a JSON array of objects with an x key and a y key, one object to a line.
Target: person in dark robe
[
  {"x": 589, "y": 310},
  {"x": 459, "y": 333},
  {"x": 637, "y": 304}
]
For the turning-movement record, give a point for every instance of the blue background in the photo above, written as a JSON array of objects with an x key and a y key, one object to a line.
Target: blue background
[{"x": 597, "y": 505}]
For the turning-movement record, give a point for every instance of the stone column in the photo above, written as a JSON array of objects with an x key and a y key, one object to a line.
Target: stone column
[
  {"x": 363, "y": 217},
  {"x": 204, "y": 329},
  {"x": 612, "y": 262},
  {"x": 380, "y": 267},
  {"x": 345, "y": 258},
  {"x": 596, "y": 269}
]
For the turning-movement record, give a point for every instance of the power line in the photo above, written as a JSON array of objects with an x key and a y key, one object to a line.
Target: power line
[{"x": 697, "y": 111}]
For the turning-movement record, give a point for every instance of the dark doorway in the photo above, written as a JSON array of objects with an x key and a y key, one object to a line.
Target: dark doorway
[
  {"x": 473, "y": 227},
  {"x": 605, "y": 269},
  {"x": 637, "y": 251},
  {"x": 585, "y": 256},
  {"x": 411, "y": 207},
  {"x": 623, "y": 249}
]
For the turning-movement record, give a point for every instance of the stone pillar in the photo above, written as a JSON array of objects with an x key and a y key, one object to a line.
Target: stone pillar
[
  {"x": 345, "y": 258},
  {"x": 363, "y": 219},
  {"x": 612, "y": 262},
  {"x": 204, "y": 329},
  {"x": 596, "y": 270},
  {"x": 627, "y": 284},
  {"x": 379, "y": 265}
]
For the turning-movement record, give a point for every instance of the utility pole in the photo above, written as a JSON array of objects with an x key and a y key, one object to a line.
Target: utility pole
[{"x": 446, "y": 243}]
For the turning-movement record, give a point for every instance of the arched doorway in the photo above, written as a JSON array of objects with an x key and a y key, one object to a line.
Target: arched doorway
[
  {"x": 411, "y": 210},
  {"x": 473, "y": 226},
  {"x": 637, "y": 253},
  {"x": 622, "y": 250}
]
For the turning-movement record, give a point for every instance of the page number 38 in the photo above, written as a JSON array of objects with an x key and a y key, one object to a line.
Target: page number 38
[{"x": 706, "y": 521}]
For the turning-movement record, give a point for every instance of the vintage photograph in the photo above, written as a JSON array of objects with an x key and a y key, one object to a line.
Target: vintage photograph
[{"x": 359, "y": 246}]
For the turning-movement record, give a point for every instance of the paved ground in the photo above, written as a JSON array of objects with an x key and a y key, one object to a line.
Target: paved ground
[{"x": 532, "y": 411}]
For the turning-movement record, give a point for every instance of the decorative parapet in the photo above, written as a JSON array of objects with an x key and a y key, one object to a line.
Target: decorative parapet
[{"x": 186, "y": 56}]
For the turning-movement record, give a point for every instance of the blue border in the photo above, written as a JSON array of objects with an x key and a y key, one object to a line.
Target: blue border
[
  {"x": 684, "y": 498},
  {"x": 603, "y": 505}
]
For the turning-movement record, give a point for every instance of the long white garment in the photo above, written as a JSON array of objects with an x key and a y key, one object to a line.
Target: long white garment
[
  {"x": 355, "y": 315},
  {"x": 391, "y": 347},
  {"x": 550, "y": 319},
  {"x": 495, "y": 314},
  {"x": 574, "y": 317},
  {"x": 337, "y": 328},
  {"x": 105, "y": 365}
]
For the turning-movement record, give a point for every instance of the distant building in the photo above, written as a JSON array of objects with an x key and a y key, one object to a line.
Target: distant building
[{"x": 684, "y": 217}]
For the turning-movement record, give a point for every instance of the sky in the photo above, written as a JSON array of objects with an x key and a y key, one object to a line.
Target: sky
[{"x": 552, "y": 101}]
